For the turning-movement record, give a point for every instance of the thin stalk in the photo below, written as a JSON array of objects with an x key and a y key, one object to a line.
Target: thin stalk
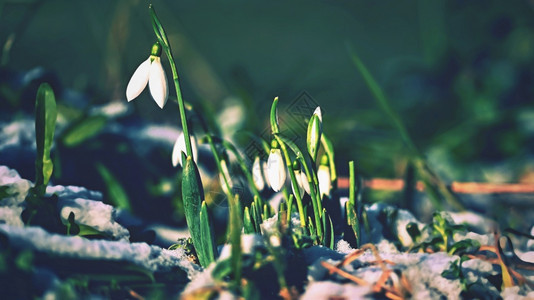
[
  {"x": 244, "y": 168},
  {"x": 162, "y": 37},
  {"x": 293, "y": 181},
  {"x": 311, "y": 176}
]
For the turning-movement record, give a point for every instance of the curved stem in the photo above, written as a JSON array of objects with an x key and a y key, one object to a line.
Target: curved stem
[{"x": 162, "y": 37}]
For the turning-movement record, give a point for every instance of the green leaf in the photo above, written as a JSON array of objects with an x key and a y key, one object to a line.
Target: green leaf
[
  {"x": 234, "y": 236},
  {"x": 256, "y": 216},
  {"x": 352, "y": 206},
  {"x": 329, "y": 149},
  {"x": 328, "y": 229},
  {"x": 45, "y": 124},
  {"x": 193, "y": 195},
  {"x": 84, "y": 130},
  {"x": 116, "y": 193},
  {"x": 274, "y": 117},
  {"x": 208, "y": 236},
  {"x": 248, "y": 226},
  {"x": 436, "y": 188}
]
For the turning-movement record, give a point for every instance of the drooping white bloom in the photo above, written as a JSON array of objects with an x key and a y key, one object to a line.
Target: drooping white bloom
[
  {"x": 257, "y": 175},
  {"x": 325, "y": 185},
  {"x": 276, "y": 170},
  {"x": 305, "y": 183},
  {"x": 151, "y": 72},
  {"x": 298, "y": 178},
  {"x": 179, "y": 147}
]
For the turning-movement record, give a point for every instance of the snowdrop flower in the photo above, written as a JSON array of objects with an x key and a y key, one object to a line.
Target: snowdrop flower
[
  {"x": 179, "y": 147},
  {"x": 299, "y": 178},
  {"x": 299, "y": 183},
  {"x": 275, "y": 168},
  {"x": 257, "y": 175},
  {"x": 323, "y": 175},
  {"x": 315, "y": 129},
  {"x": 151, "y": 72},
  {"x": 305, "y": 183}
]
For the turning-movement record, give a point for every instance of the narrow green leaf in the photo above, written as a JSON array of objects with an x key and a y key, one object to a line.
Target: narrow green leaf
[
  {"x": 266, "y": 215},
  {"x": 192, "y": 196},
  {"x": 329, "y": 149},
  {"x": 45, "y": 124},
  {"x": 436, "y": 188},
  {"x": 234, "y": 236},
  {"x": 116, "y": 194},
  {"x": 208, "y": 235},
  {"x": 311, "y": 228},
  {"x": 274, "y": 117},
  {"x": 255, "y": 216},
  {"x": 84, "y": 130},
  {"x": 328, "y": 229},
  {"x": 352, "y": 206},
  {"x": 248, "y": 226}
]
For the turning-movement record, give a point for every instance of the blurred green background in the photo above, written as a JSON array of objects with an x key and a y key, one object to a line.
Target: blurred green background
[{"x": 459, "y": 73}]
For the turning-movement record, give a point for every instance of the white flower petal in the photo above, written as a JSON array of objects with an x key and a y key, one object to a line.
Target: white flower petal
[
  {"x": 179, "y": 147},
  {"x": 157, "y": 83},
  {"x": 305, "y": 183},
  {"x": 138, "y": 81},
  {"x": 265, "y": 170},
  {"x": 256, "y": 174},
  {"x": 325, "y": 185},
  {"x": 299, "y": 184},
  {"x": 318, "y": 113},
  {"x": 276, "y": 170}
]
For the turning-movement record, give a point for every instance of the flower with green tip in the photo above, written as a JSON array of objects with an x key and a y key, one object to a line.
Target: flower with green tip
[
  {"x": 305, "y": 183},
  {"x": 179, "y": 147},
  {"x": 257, "y": 175},
  {"x": 302, "y": 181},
  {"x": 315, "y": 129},
  {"x": 275, "y": 168},
  {"x": 150, "y": 72},
  {"x": 323, "y": 175}
]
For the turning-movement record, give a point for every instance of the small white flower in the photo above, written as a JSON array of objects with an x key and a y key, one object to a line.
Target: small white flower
[
  {"x": 257, "y": 174},
  {"x": 298, "y": 178},
  {"x": 325, "y": 185},
  {"x": 305, "y": 183},
  {"x": 151, "y": 72},
  {"x": 179, "y": 147},
  {"x": 276, "y": 170}
]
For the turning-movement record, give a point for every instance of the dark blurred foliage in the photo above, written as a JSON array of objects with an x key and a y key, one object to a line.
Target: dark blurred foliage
[{"x": 460, "y": 73}]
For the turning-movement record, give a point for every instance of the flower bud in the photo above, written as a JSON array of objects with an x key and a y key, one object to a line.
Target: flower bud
[
  {"x": 257, "y": 175},
  {"x": 323, "y": 175},
  {"x": 179, "y": 147},
  {"x": 315, "y": 129}
]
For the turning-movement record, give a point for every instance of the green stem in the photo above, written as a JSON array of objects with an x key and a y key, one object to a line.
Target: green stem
[
  {"x": 293, "y": 180},
  {"x": 244, "y": 168},
  {"x": 162, "y": 37}
]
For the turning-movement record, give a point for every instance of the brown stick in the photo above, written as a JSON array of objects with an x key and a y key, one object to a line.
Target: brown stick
[{"x": 457, "y": 187}]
